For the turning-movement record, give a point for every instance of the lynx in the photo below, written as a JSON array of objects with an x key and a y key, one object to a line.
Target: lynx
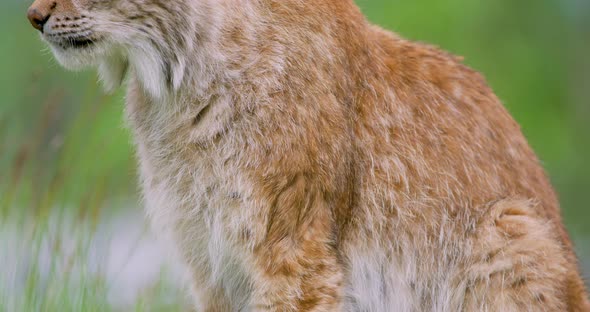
[{"x": 302, "y": 159}]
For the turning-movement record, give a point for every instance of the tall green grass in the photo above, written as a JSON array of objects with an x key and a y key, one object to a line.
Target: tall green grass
[
  {"x": 65, "y": 165},
  {"x": 62, "y": 173}
]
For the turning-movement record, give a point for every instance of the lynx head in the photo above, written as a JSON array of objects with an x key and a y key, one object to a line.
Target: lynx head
[{"x": 151, "y": 37}]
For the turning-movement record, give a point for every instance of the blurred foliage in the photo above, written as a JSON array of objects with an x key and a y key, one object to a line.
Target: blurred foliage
[{"x": 63, "y": 142}]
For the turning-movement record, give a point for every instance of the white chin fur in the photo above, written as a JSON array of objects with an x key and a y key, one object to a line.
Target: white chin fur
[
  {"x": 112, "y": 70},
  {"x": 111, "y": 67},
  {"x": 74, "y": 59},
  {"x": 113, "y": 63},
  {"x": 149, "y": 68}
]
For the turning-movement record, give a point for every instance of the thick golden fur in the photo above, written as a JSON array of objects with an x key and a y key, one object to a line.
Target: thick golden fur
[{"x": 301, "y": 159}]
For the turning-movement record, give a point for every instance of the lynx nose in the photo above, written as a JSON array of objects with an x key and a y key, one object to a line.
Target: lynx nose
[{"x": 40, "y": 12}]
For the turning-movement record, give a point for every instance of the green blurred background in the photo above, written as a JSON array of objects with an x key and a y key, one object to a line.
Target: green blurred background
[{"x": 64, "y": 149}]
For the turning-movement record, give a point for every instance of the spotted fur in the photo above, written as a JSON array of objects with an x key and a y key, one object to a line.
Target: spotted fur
[{"x": 301, "y": 159}]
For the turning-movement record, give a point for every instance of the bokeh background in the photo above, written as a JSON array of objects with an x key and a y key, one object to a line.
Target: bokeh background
[{"x": 72, "y": 235}]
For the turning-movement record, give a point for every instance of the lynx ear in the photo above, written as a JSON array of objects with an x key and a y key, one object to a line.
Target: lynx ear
[{"x": 112, "y": 70}]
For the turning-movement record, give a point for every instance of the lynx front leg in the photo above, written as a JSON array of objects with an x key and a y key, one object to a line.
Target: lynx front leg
[
  {"x": 288, "y": 281},
  {"x": 211, "y": 300},
  {"x": 295, "y": 267}
]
